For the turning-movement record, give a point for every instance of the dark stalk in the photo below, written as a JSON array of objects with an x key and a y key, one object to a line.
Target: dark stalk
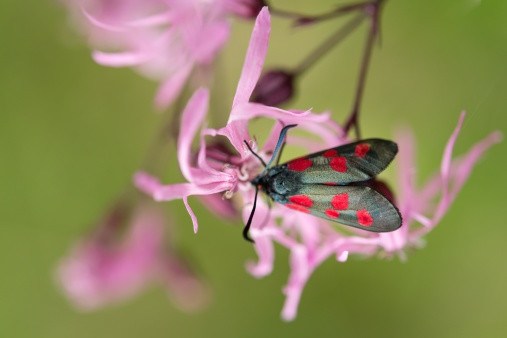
[
  {"x": 328, "y": 44},
  {"x": 284, "y": 13},
  {"x": 311, "y": 19},
  {"x": 373, "y": 10}
]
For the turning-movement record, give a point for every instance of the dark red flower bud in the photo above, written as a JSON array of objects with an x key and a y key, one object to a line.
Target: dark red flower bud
[
  {"x": 274, "y": 88},
  {"x": 248, "y": 9},
  {"x": 383, "y": 189}
]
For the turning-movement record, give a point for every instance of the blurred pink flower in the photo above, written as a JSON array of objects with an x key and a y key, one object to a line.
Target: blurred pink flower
[
  {"x": 215, "y": 170},
  {"x": 162, "y": 39},
  {"x": 428, "y": 205},
  {"x": 123, "y": 256}
]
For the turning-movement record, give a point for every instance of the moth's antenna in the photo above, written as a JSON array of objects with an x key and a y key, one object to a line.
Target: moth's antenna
[
  {"x": 253, "y": 152},
  {"x": 249, "y": 223},
  {"x": 280, "y": 153},
  {"x": 280, "y": 143}
]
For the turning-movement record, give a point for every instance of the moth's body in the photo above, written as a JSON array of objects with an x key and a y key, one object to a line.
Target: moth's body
[
  {"x": 336, "y": 184},
  {"x": 278, "y": 183}
]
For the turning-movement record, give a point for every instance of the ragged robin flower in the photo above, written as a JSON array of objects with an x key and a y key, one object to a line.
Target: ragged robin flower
[{"x": 165, "y": 40}]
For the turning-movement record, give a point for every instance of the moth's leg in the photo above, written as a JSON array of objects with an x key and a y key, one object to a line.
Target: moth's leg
[{"x": 250, "y": 218}]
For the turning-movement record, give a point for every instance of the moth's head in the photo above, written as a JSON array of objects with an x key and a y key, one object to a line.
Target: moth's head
[{"x": 259, "y": 181}]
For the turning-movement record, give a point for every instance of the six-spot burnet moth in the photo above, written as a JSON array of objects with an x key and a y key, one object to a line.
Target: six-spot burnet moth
[{"x": 334, "y": 184}]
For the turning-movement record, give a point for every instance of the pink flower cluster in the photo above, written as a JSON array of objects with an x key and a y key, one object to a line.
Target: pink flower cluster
[
  {"x": 224, "y": 174},
  {"x": 162, "y": 39}
]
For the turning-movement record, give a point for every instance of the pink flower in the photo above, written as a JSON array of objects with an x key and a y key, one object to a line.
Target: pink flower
[
  {"x": 162, "y": 39},
  {"x": 312, "y": 240},
  {"x": 428, "y": 205},
  {"x": 111, "y": 266},
  {"x": 217, "y": 171}
]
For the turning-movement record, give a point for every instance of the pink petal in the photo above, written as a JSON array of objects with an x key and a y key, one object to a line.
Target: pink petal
[
  {"x": 396, "y": 240},
  {"x": 265, "y": 252},
  {"x": 255, "y": 56},
  {"x": 406, "y": 164},
  {"x": 445, "y": 198},
  {"x": 463, "y": 167},
  {"x": 99, "y": 272},
  {"x": 447, "y": 158},
  {"x": 237, "y": 131},
  {"x": 297, "y": 280},
  {"x": 181, "y": 190},
  {"x": 100, "y": 24},
  {"x": 248, "y": 111},
  {"x": 459, "y": 171},
  {"x": 152, "y": 186},
  {"x": 152, "y": 20},
  {"x": 146, "y": 183},
  {"x": 192, "y": 214},
  {"x": 219, "y": 205},
  {"x": 125, "y": 59},
  {"x": 342, "y": 256},
  {"x": 171, "y": 88},
  {"x": 187, "y": 291},
  {"x": 210, "y": 42},
  {"x": 191, "y": 119}
]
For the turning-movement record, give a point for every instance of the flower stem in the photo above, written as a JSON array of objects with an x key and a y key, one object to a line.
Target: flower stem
[
  {"x": 328, "y": 44},
  {"x": 373, "y": 10},
  {"x": 286, "y": 14},
  {"x": 304, "y": 19},
  {"x": 309, "y": 19}
]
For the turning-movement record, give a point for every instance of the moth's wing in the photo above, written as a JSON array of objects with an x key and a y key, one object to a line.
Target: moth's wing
[
  {"x": 353, "y": 162},
  {"x": 357, "y": 206}
]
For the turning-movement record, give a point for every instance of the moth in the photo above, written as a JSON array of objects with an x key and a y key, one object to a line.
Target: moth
[{"x": 335, "y": 184}]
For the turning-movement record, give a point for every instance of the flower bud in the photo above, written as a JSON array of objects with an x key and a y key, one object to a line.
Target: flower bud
[
  {"x": 274, "y": 88},
  {"x": 248, "y": 9},
  {"x": 382, "y": 188}
]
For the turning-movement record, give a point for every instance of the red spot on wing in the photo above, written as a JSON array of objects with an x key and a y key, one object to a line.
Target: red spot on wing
[
  {"x": 300, "y": 164},
  {"x": 302, "y": 200},
  {"x": 331, "y": 184},
  {"x": 340, "y": 201},
  {"x": 364, "y": 218},
  {"x": 297, "y": 207},
  {"x": 362, "y": 149},
  {"x": 332, "y": 213},
  {"x": 330, "y": 153},
  {"x": 338, "y": 164}
]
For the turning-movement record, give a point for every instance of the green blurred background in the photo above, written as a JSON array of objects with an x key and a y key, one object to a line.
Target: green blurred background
[{"x": 72, "y": 133}]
